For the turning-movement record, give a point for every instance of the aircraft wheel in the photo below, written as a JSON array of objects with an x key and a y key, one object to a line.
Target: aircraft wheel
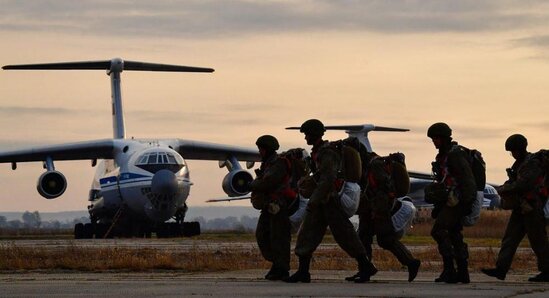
[
  {"x": 79, "y": 231},
  {"x": 88, "y": 231},
  {"x": 100, "y": 230},
  {"x": 191, "y": 229}
]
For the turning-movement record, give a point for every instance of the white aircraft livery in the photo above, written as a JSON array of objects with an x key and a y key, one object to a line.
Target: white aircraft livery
[{"x": 139, "y": 184}]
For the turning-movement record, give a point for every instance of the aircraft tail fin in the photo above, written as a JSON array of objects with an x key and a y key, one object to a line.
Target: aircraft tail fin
[{"x": 113, "y": 67}]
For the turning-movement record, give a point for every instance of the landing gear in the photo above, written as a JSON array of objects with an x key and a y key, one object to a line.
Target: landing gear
[
  {"x": 174, "y": 229},
  {"x": 90, "y": 230}
]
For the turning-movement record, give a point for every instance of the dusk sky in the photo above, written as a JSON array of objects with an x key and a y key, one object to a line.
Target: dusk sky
[{"x": 480, "y": 66}]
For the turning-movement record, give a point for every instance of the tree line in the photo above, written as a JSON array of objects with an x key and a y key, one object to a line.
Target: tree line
[{"x": 33, "y": 220}]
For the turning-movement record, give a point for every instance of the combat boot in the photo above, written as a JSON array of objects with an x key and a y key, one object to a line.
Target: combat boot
[
  {"x": 542, "y": 277},
  {"x": 278, "y": 274},
  {"x": 352, "y": 277},
  {"x": 302, "y": 274},
  {"x": 462, "y": 271},
  {"x": 448, "y": 274},
  {"x": 494, "y": 272},
  {"x": 413, "y": 268},
  {"x": 271, "y": 271},
  {"x": 365, "y": 270}
]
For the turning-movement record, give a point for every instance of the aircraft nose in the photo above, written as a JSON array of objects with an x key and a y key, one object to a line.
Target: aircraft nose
[{"x": 164, "y": 182}]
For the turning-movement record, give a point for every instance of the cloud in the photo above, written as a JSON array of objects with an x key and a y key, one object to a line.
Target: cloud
[
  {"x": 229, "y": 18},
  {"x": 34, "y": 111}
]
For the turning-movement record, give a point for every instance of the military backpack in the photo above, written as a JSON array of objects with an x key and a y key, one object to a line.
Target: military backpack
[{"x": 478, "y": 165}]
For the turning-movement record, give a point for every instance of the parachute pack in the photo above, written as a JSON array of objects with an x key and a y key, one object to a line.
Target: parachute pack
[
  {"x": 543, "y": 157},
  {"x": 297, "y": 160},
  {"x": 395, "y": 165},
  {"x": 351, "y": 163},
  {"x": 478, "y": 165},
  {"x": 351, "y": 169}
]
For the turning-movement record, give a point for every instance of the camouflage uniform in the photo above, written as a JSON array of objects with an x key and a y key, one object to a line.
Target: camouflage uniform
[
  {"x": 526, "y": 219},
  {"x": 375, "y": 214},
  {"x": 453, "y": 170},
  {"x": 323, "y": 210},
  {"x": 273, "y": 232}
]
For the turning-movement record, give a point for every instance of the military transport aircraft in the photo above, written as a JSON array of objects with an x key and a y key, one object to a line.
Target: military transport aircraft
[{"x": 139, "y": 184}]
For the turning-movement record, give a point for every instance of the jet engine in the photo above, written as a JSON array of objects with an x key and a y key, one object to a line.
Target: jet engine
[
  {"x": 51, "y": 184},
  {"x": 236, "y": 183}
]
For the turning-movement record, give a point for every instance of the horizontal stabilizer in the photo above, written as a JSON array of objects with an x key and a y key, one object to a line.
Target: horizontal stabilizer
[
  {"x": 106, "y": 65},
  {"x": 358, "y": 128}
]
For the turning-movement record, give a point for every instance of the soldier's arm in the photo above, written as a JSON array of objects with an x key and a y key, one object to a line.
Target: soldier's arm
[
  {"x": 460, "y": 168},
  {"x": 526, "y": 178},
  {"x": 328, "y": 173},
  {"x": 272, "y": 178}
]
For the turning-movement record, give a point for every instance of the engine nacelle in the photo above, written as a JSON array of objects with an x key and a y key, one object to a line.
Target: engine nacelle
[
  {"x": 237, "y": 182},
  {"x": 51, "y": 184}
]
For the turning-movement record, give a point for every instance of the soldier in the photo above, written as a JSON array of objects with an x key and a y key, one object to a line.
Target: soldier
[
  {"x": 453, "y": 173},
  {"x": 377, "y": 201},
  {"x": 527, "y": 217},
  {"x": 271, "y": 194},
  {"x": 324, "y": 209}
]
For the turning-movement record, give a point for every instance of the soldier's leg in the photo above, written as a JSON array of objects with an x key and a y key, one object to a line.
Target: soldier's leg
[
  {"x": 309, "y": 237},
  {"x": 366, "y": 232},
  {"x": 534, "y": 223},
  {"x": 343, "y": 230},
  {"x": 345, "y": 235},
  {"x": 461, "y": 253},
  {"x": 514, "y": 233},
  {"x": 387, "y": 239},
  {"x": 440, "y": 233},
  {"x": 311, "y": 232},
  {"x": 280, "y": 241},
  {"x": 262, "y": 235},
  {"x": 366, "y": 236}
]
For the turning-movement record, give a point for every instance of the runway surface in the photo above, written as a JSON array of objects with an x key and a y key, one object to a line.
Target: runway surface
[
  {"x": 242, "y": 283},
  {"x": 249, "y": 283}
]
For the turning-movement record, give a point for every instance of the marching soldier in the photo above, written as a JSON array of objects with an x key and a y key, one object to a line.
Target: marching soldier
[
  {"x": 271, "y": 194},
  {"x": 324, "y": 209},
  {"x": 521, "y": 193},
  {"x": 378, "y": 199},
  {"x": 456, "y": 183}
]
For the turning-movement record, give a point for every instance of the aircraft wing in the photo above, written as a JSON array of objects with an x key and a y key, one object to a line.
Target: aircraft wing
[
  {"x": 98, "y": 149},
  {"x": 210, "y": 151},
  {"x": 419, "y": 175},
  {"x": 228, "y": 199}
]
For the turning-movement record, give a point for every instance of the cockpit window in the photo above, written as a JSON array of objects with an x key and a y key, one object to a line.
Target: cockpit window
[
  {"x": 155, "y": 161},
  {"x": 152, "y": 159}
]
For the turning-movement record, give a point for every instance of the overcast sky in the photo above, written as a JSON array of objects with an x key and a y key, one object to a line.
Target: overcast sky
[{"x": 480, "y": 66}]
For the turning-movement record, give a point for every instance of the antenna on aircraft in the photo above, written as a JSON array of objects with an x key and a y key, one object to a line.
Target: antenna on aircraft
[
  {"x": 360, "y": 131},
  {"x": 113, "y": 67}
]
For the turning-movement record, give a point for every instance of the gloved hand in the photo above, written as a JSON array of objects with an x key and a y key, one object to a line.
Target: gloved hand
[{"x": 312, "y": 205}]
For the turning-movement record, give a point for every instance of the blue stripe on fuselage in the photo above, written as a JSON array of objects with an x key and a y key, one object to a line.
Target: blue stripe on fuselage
[{"x": 123, "y": 176}]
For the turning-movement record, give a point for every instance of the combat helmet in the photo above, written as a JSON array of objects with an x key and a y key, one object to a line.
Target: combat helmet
[
  {"x": 439, "y": 129},
  {"x": 516, "y": 142},
  {"x": 268, "y": 142},
  {"x": 312, "y": 127}
]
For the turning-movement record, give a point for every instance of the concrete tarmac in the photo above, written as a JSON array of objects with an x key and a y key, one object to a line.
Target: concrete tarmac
[{"x": 249, "y": 283}]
